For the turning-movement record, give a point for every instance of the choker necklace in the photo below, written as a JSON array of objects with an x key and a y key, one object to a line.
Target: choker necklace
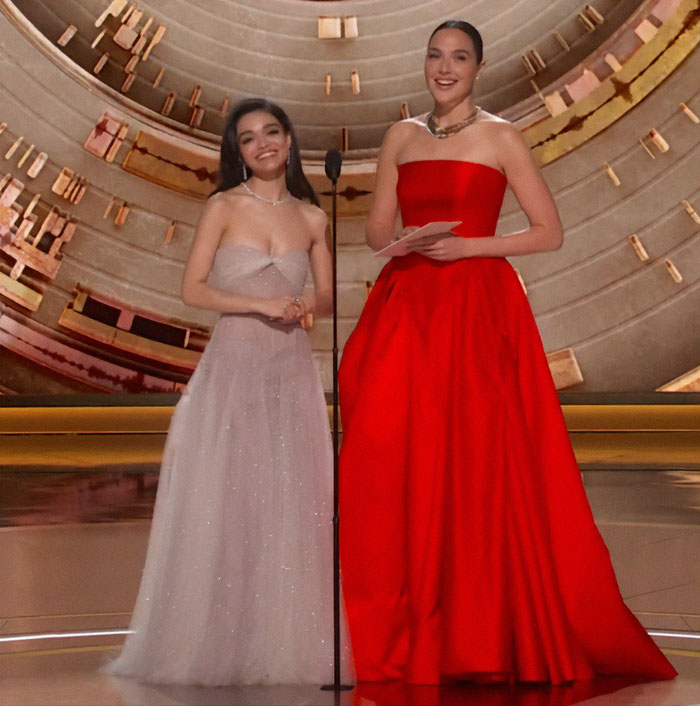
[
  {"x": 442, "y": 132},
  {"x": 286, "y": 197}
]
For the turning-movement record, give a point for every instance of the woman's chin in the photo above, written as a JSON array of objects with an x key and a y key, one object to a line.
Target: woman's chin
[
  {"x": 268, "y": 172},
  {"x": 449, "y": 96}
]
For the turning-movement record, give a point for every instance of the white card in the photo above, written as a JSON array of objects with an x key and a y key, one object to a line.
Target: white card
[{"x": 398, "y": 248}]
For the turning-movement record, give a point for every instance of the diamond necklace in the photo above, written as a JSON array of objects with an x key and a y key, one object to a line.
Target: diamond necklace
[
  {"x": 442, "y": 132},
  {"x": 277, "y": 202}
]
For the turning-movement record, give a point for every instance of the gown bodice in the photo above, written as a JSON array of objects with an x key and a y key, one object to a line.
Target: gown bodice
[
  {"x": 451, "y": 190},
  {"x": 244, "y": 270}
]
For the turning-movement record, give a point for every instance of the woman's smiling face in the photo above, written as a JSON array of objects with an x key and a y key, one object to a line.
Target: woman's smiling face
[
  {"x": 263, "y": 143},
  {"x": 450, "y": 66}
]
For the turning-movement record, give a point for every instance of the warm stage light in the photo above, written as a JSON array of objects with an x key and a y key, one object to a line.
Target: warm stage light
[
  {"x": 54, "y": 635},
  {"x": 682, "y": 635},
  {"x": 98, "y": 633}
]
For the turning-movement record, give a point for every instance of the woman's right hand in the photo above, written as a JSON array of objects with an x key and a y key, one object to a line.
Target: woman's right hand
[{"x": 283, "y": 309}]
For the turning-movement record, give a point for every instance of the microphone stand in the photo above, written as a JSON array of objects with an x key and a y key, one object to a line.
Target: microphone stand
[{"x": 333, "y": 164}]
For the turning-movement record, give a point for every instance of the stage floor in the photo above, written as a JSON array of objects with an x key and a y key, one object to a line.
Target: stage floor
[
  {"x": 73, "y": 545},
  {"x": 73, "y": 679}
]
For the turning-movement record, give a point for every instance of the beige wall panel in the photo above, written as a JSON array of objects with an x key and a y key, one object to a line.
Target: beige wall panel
[
  {"x": 359, "y": 266},
  {"x": 229, "y": 52},
  {"x": 651, "y": 187},
  {"x": 351, "y": 299},
  {"x": 647, "y": 352},
  {"x": 614, "y": 306}
]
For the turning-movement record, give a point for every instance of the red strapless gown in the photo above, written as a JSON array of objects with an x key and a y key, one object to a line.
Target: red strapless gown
[{"x": 468, "y": 546}]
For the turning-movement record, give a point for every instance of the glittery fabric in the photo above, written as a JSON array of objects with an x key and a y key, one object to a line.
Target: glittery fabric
[{"x": 237, "y": 587}]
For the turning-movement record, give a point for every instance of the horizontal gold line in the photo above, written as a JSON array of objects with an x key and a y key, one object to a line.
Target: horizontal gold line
[
  {"x": 163, "y": 432},
  {"x": 154, "y": 421},
  {"x": 660, "y": 612},
  {"x": 60, "y": 650},
  {"x": 681, "y": 653},
  {"x": 63, "y": 615},
  {"x": 100, "y": 432}
]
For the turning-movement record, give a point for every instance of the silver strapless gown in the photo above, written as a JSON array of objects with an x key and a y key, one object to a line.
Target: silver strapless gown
[{"x": 237, "y": 587}]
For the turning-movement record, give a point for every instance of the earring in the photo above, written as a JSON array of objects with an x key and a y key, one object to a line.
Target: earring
[
  {"x": 289, "y": 158},
  {"x": 245, "y": 171}
]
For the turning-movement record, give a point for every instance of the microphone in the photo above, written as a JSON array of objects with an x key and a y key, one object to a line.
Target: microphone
[{"x": 334, "y": 161}]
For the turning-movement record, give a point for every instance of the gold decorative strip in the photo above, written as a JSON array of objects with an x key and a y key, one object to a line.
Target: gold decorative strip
[
  {"x": 640, "y": 75},
  {"x": 688, "y": 382},
  {"x": 32, "y": 343},
  {"x": 632, "y": 435},
  {"x": 171, "y": 163},
  {"x": 138, "y": 419},
  {"x": 19, "y": 293},
  {"x": 124, "y": 340}
]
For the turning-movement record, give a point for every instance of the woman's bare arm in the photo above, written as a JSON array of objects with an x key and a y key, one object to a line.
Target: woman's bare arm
[
  {"x": 195, "y": 289},
  {"x": 321, "y": 270},
  {"x": 530, "y": 189},
  {"x": 382, "y": 213}
]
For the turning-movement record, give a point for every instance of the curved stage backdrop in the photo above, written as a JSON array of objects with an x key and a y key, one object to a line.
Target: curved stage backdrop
[{"x": 110, "y": 129}]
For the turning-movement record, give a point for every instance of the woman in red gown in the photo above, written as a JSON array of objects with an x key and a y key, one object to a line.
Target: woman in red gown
[{"x": 468, "y": 547}]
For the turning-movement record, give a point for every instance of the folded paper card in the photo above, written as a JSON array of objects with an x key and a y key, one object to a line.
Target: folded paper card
[{"x": 399, "y": 247}]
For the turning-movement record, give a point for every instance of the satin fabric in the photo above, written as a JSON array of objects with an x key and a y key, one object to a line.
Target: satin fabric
[{"x": 468, "y": 547}]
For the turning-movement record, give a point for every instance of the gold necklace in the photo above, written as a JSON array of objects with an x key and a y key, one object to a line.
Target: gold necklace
[{"x": 442, "y": 132}]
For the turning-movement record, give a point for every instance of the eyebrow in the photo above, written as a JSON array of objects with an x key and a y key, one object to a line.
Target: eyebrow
[
  {"x": 245, "y": 132},
  {"x": 456, "y": 51}
]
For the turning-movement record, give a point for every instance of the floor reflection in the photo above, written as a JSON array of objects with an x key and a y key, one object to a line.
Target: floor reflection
[
  {"x": 671, "y": 496},
  {"x": 73, "y": 549},
  {"x": 31, "y": 496},
  {"x": 486, "y": 695},
  {"x": 37, "y": 496}
]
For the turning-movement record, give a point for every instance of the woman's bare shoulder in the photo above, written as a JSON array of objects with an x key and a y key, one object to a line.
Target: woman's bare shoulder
[
  {"x": 314, "y": 216},
  {"x": 494, "y": 122},
  {"x": 225, "y": 201},
  {"x": 500, "y": 131},
  {"x": 404, "y": 130},
  {"x": 417, "y": 122},
  {"x": 311, "y": 211}
]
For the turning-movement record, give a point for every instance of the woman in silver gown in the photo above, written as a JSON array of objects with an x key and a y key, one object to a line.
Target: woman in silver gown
[{"x": 237, "y": 586}]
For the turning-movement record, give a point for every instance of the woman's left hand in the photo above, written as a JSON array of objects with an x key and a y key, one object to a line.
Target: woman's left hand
[
  {"x": 301, "y": 308},
  {"x": 445, "y": 246}
]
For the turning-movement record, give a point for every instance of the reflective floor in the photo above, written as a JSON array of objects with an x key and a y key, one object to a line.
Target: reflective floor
[
  {"x": 72, "y": 546},
  {"x": 74, "y": 679}
]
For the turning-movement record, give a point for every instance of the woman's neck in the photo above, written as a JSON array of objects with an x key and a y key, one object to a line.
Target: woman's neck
[
  {"x": 446, "y": 114},
  {"x": 272, "y": 188}
]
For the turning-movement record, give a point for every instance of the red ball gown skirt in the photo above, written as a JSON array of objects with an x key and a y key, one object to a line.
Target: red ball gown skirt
[{"x": 468, "y": 547}]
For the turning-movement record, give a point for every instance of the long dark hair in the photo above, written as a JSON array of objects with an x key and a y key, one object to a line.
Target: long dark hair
[
  {"x": 231, "y": 165},
  {"x": 470, "y": 30}
]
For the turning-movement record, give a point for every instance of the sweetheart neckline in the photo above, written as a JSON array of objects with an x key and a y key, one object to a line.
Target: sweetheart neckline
[{"x": 261, "y": 252}]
